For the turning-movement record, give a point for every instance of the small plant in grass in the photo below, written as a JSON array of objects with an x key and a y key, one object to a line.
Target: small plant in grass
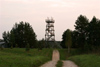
[
  {"x": 1, "y": 48},
  {"x": 59, "y": 63},
  {"x": 16, "y": 45},
  {"x": 11, "y": 47},
  {"x": 27, "y": 47}
]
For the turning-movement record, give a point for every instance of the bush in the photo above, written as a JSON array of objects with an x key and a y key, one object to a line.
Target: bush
[
  {"x": 11, "y": 47},
  {"x": 1, "y": 48},
  {"x": 27, "y": 47},
  {"x": 16, "y": 45}
]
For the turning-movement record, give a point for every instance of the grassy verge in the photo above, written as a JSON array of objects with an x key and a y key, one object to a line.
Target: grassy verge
[
  {"x": 20, "y": 58},
  {"x": 59, "y": 63},
  {"x": 63, "y": 54},
  {"x": 82, "y": 59},
  {"x": 86, "y": 60}
]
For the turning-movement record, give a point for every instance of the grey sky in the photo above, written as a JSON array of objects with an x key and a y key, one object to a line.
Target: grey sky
[{"x": 64, "y": 12}]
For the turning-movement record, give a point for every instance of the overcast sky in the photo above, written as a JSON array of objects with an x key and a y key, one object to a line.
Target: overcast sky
[{"x": 64, "y": 12}]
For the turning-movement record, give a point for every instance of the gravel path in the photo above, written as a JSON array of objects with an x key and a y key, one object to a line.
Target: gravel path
[
  {"x": 69, "y": 63},
  {"x": 55, "y": 58}
]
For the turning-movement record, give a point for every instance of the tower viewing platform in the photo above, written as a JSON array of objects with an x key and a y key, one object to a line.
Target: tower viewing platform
[{"x": 49, "y": 20}]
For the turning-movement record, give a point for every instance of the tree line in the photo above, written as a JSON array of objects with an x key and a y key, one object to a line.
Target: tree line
[{"x": 86, "y": 35}]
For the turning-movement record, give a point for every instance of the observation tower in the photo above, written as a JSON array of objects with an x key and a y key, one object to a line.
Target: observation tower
[{"x": 49, "y": 32}]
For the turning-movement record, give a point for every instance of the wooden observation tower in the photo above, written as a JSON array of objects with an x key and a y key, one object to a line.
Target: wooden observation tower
[{"x": 49, "y": 32}]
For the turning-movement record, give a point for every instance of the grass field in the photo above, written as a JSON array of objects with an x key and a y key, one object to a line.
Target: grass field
[
  {"x": 81, "y": 59},
  {"x": 63, "y": 54},
  {"x": 86, "y": 60},
  {"x": 18, "y": 57}
]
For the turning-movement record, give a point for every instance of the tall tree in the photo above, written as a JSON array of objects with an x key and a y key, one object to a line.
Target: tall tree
[
  {"x": 12, "y": 39},
  {"x": 41, "y": 44},
  {"x": 63, "y": 44},
  {"x": 6, "y": 36},
  {"x": 75, "y": 39},
  {"x": 68, "y": 40},
  {"x": 81, "y": 26},
  {"x": 94, "y": 32}
]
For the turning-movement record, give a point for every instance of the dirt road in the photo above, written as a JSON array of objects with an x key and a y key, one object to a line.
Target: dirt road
[{"x": 55, "y": 58}]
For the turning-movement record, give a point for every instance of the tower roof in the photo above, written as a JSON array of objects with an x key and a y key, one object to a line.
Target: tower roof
[{"x": 49, "y": 20}]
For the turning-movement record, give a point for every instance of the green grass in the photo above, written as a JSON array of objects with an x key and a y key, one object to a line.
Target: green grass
[
  {"x": 82, "y": 59},
  {"x": 18, "y": 57},
  {"x": 86, "y": 60},
  {"x": 59, "y": 63},
  {"x": 63, "y": 54}
]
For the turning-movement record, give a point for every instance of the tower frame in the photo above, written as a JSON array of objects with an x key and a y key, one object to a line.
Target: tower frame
[{"x": 49, "y": 32}]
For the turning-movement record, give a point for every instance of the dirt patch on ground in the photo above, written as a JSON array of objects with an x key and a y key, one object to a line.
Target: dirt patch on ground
[{"x": 69, "y": 63}]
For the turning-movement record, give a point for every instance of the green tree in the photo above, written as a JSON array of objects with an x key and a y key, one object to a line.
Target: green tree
[
  {"x": 94, "y": 33},
  {"x": 81, "y": 26},
  {"x": 21, "y": 34},
  {"x": 27, "y": 47},
  {"x": 75, "y": 39},
  {"x": 12, "y": 39},
  {"x": 63, "y": 40},
  {"x": 68, "y": 40},
  {"x": 41, "y": 44},
  {"x": 6, "y": 36}
]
